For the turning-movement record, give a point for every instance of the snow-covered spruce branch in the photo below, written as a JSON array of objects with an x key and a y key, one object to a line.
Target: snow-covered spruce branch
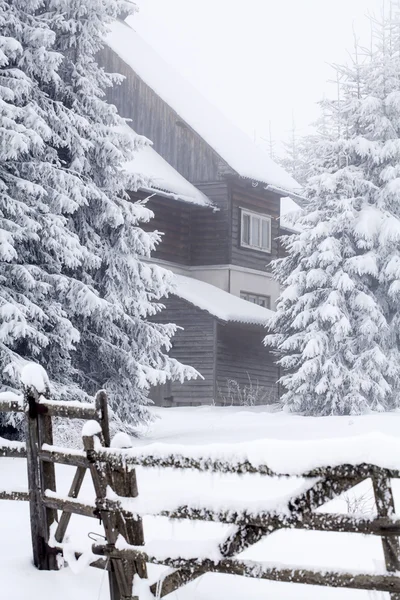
[{"x": 75, "y": 293}]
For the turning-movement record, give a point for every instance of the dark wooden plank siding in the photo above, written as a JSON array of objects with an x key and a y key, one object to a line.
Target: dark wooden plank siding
[
  {"x": 262, "y": 202},
  {"x": 211, "y": 231},
  {"x": 242, "y": 358},
  {"x": 183, "y": 148},
  {"x": 172, "y": 219},
  {"x": 194, "y": 345}
]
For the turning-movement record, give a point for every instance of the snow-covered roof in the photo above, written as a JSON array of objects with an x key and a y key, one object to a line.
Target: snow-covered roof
[
  {"x": 288, "y": 208},
  {"x": 219, "y": 303},
  {"x": 232, "y": 145},
  {"x": 162, "y": 176}
]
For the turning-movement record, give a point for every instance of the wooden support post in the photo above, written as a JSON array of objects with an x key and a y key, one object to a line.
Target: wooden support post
[
  {"x": 32, "y": 440},
  {"x": 102, "y": 412},
  {"x": 317, "y": 495},
  {"x": 101, "y": 409},
  {"x": 73, "y": 493},
  {"x": 120, "y": 587},
  {"x": 124, "y": 484},
  {"x": 47, "y": 482},
  {"x": 40, "y": 478},
  {"x": 385, "y": 508}
]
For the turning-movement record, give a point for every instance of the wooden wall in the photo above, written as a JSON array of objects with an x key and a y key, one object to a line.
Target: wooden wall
[
  {"x": 194, "y": 345},
  {"x": 210, "y": 231},
  {"x": 241, "y": 356},
  {"x": 261, "y": 201},
  {"x": 172, "y": 218},
  {"x": 184, "y": 149},
  {"x": 198, "y": 236}
]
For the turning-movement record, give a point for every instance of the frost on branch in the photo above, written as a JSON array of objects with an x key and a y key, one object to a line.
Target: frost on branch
[{"x": 75, "y": 292}]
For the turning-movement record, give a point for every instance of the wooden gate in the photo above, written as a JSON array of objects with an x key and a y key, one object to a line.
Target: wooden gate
[{"x": 124, "y": 553}]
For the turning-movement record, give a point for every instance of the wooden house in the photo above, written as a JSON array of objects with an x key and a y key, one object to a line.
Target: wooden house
[{"x": 217, "y": 198}]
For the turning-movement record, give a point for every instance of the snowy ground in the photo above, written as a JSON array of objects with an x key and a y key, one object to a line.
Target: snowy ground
[{"x": 200, "y": 426}]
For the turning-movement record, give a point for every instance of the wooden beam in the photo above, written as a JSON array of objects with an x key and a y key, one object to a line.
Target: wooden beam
[
  {"x": 120, "y": 459},
  {"x": 35, "y": 507},
  {"x": 174, "y": 581},
  {"x": 120, "y": 586},
  {"x": 305, "y": 503},
  {"x": 101, "y": 406},
  {"x": 336, "y": 579},
  {"x": 64, "y": 457},
  {"x": 47, "y": 482},
  {"x": 20, "y": 496},
  {"x": 66, "y": 515},
  {"x": 13, "y": 451},
  {"x": 11, "y": 406},
  {"x": 70, "y": 506},
  {"x": 178, "y": 461},
  {"x": 124, "y": 484},
  {"x": 70, "y": 410},
  {"x": 385, "y": 507},
  {"x": 314, "y": 521}
]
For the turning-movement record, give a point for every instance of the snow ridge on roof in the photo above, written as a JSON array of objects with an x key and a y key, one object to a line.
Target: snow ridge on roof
[
  {"x": 161, "y": 175},
  {"x": 220, "y": 304},
  {"x": 232, "y": 145}
]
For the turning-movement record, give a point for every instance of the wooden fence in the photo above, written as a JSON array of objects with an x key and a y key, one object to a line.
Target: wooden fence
[{"x": 114, "y": 468}]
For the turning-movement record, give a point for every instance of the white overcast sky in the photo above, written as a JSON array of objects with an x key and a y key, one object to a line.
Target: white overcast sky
[{"x": 257, "y": 60}]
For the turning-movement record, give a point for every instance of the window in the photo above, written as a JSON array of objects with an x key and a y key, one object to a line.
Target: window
[
  {"x": 256, "y": 231},
  {"x": 264, "y": 301}
]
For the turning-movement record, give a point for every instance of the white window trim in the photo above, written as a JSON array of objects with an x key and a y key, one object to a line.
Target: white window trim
[
  {"x": 245, "y": 211},
  {"x": 266, "y": 297}
]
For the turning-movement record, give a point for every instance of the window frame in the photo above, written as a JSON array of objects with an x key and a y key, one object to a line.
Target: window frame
[
  {"x": 264, "y": 296},
  {"x": 262, "y": 218}
]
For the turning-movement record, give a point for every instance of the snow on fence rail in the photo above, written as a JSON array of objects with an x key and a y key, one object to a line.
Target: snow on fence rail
[{"x": 323, "y": 476}]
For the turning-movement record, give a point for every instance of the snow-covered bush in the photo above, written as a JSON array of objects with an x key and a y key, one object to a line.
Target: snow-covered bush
[{"x": 251, "y": 394}]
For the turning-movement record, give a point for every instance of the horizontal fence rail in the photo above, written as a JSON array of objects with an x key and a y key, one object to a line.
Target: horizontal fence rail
[{"x": 258, "y": 570}]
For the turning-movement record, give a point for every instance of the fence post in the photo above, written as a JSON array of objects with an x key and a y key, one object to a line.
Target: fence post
[
  {"x": 40, "y": 477},
  {"x": 124, "y": 484},
  {"x": 102, "y": 411},
  {"x": 48, "y": 482},
  {"x": 385, "y": 508},
  {"x": 118, "y": 579},
  {"x": 31, "y": 434}
]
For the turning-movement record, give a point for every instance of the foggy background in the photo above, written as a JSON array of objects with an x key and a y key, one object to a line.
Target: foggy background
[{"x": 257, "y": 60}]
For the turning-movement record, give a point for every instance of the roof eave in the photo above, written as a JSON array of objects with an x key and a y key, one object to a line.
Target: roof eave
[{"x": 178, "y": 197}]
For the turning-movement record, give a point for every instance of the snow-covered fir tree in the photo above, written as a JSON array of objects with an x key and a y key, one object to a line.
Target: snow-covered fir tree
[
  {"x": 337, "y": 322},
  {"x": 71, "y": 235},
  {"x": 36, "y": 247},
  {"x": 293, "y": 160}
]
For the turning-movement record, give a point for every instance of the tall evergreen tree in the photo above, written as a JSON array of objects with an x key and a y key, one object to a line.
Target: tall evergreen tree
[
  {"x": 337, "y": 325},
  {"x": 37, "y": 249},
  {"x": 98, "y": 290}
]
